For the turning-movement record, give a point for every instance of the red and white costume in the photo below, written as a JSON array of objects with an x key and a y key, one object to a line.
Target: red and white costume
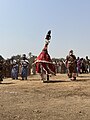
[{"x": 44, "y": 62}]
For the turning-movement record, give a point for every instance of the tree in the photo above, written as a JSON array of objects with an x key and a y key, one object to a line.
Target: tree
[{"x": 1, "y": 58}]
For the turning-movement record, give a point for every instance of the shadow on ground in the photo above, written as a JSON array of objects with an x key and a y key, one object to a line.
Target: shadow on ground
[
  {"x": 55, "y": 81},
  {"x": 7, "y": 83}
]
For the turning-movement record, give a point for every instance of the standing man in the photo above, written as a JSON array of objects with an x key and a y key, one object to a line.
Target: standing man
[
  {"x": 24, "y": 67},
  {"x": 71, "y": 64}
]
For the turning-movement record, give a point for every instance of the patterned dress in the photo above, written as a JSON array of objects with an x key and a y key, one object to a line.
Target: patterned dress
[
  {"x": 71, "y": 64},
  {"x": 14, "y": 71},
  {"x": 24, "y": 69}
]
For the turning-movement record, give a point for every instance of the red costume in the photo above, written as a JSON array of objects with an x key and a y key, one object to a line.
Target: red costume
[{"x": 44, "y": 61}]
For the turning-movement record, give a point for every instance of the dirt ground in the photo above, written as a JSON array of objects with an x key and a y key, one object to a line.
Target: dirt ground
[{"x": 60, "y": 99}]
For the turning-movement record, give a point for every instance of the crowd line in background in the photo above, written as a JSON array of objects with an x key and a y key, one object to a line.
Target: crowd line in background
[
  {"x": 83, "y": 66},
  {"x": 22, "y": 68}
]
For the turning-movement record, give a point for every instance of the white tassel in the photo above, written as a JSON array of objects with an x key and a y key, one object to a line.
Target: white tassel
[{"x": 47, "y": 41}]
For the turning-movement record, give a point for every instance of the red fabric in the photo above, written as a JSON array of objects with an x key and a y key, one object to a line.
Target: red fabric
[{"x": 46, "y": 62}]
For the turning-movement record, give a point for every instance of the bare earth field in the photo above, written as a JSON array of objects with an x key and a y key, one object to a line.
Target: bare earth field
[{"x": 60, "y": 99}]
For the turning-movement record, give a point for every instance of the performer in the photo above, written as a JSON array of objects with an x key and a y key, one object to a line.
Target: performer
[
  {"x": 44, "y": 63},
  {"x": 71, "y": 64}
]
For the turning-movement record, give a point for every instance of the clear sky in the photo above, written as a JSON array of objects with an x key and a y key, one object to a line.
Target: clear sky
[{"x": 24, "y": 23}]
